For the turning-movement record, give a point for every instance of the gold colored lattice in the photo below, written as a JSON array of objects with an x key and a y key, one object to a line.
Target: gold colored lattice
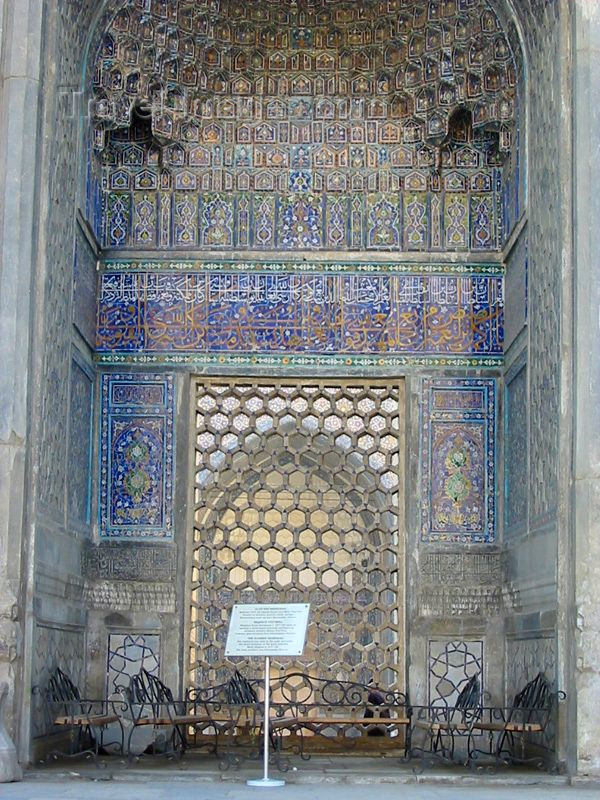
[{"x": 296, "y": 500}]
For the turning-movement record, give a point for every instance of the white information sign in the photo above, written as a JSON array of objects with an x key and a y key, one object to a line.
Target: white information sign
[{"x": 277, "y": 629}]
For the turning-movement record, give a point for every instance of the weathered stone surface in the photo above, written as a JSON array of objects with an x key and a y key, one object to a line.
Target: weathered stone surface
[
  {"x": 55, "y": 645},
  {"x": 587, "y": 397},
  {"x": 535, "y": 466},
  {"x": 545, "y": 234},
  {"x": 587, "y": 638},
  {"x": 79, "y": 469},
  {"x": 458, "y": 584},
  {"x": 131, "y": 596},
  {"x": 129, "y": 561},
  {"x": 516, "y": 494},
  {"x": 515, "y": 291},
  {"x": 20, "y": 72},
  {"x": 460, "y": 600},
  {"x": 459, "y": 568},
  {"x": 9, "y": 766},
  {"x": 84, "y": 285}
]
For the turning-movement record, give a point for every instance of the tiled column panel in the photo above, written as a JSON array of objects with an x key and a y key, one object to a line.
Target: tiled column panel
[
  {"x": 458, "y": 460},
  {"x": 136, "y": 461}
]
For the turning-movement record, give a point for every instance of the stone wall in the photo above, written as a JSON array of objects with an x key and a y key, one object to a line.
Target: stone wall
[
  {"x": 463, "y": 594},
  {"x": 536, "y": 433},
  {"x": 535, "y": 284},
  {"x": 20, "y": 56},
  {"x": 586, "y": 560},
  {"x": 63, "y": 402}
]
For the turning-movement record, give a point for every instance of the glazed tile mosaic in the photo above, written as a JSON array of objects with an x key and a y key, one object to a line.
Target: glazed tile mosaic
[
  {"x": 391, "y": 221},
  {"x": 177, "y": 312},
  {"x": 396, "y": 49},
  {"x": 302, "y": 126},
  {"x": 136, "y": 456},
  {"x": 458, "y": 460}
]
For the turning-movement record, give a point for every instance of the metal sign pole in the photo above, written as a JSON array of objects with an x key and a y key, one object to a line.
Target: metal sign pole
[
  {"x": 265, "y": 780},
  {"x": 278, "y": 629}
]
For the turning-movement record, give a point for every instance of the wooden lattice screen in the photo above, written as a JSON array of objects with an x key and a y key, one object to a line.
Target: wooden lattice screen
[{"x": 296, "y": 499}]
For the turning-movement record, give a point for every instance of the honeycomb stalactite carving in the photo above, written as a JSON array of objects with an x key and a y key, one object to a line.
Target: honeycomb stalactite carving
[
  {"x": 423, "y": 59},
  {"x": 296, "y": 500},
  {"x": 325, "y": 125}
]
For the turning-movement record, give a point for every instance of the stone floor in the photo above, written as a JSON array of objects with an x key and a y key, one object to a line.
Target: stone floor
[{"x": 333, "y": 778}]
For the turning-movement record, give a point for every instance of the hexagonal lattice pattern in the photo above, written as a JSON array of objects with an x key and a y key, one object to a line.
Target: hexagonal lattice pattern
[{"x": 296, "y": 500}]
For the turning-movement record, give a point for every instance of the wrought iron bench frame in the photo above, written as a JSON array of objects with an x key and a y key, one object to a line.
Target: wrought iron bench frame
[
  {"x": 66, "y": 708},
  {"x": 152, "y": 703},
  {"x": 337, "y": 710},
  {"x": 233, "y": 714},
  {"x": 444, "y": 724},
  {"x": 509, "y": 729}
]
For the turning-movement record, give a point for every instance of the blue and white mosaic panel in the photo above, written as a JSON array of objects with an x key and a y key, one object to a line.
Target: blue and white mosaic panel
[
  {"x": 458, "y": 460},
  {"x": 183, "y": 313},
  {"x": 136, "y": 456}
]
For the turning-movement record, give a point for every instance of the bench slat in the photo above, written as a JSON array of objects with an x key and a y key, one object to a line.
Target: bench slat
[
  {"x": 512, "y": 727},
  {"x": 93, "y": 719},
  {"x": 441, "y": 726}
]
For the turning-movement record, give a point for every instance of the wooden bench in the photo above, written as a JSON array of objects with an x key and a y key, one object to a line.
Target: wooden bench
[
  {"x": 232, "y": 713},
  {"x": 66, "y": 708},
  {"x": 443, "y": 724},
  {"x": 344, "y": 712},
  {"x": 152, "y": 703},
  {"x": 302, "y": 708},
  {"x": 510, "y": 729},
  {"x": 209, "y": 713}
]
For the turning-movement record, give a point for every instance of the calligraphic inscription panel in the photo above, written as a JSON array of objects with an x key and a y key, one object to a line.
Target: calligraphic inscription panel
[
  {"x": 458, "y": 460},
  {"x": 179, "y": 312},
  {"x": 136, "y": 456}
]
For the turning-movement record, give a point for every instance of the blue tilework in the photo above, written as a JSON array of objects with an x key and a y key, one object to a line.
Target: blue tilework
[
  {"x": 224, "y": 312},
  {"x": 458, "y": 460},
  {"x": 136, "y": 456}
]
